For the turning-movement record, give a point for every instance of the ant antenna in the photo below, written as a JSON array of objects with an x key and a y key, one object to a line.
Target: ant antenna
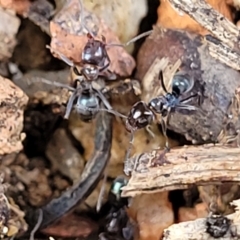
[
  {"x": 106, "y": 110},
  {"x": 132, "y": 40},
  {"x": 127, "y": 163},
  {"x": 164, "y": 129},
  {"x": 82, "y": 19},
  {"x": 160, "y": 77},
  {"x": 151, "y": 133},
  {"x": 53, "y": 83},
  {"x": 64, "y": 58}
]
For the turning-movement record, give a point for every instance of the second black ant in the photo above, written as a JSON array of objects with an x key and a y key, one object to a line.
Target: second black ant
[{"x": 143, "y": 114}]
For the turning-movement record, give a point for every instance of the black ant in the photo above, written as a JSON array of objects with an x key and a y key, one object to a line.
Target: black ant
[
  {"x": 94, "y": 63},
  {"x": 143, "y": 114}
]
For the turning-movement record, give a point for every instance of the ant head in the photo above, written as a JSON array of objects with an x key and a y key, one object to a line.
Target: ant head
[
  {"x": 159, "y": 105},
  {"x": 139, "y": 117},
  {"x": 94, "y": 52}
]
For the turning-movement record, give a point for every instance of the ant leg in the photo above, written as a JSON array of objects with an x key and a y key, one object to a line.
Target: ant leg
[
  {"x": 164, "y": 129},
  {"x": 107, "y": 104},
  {"x": 160, "y": 160},
  {"x": 103, "y": 98},
  {"x": 63, "y": 58},
  {"x": 109, "y": 75},
  {"x": 160, "y": 77},
  {"x": 107, "y": 110},
  {"x": 53, "y": 83},
  {"x": 186, "y": 107},
  {"x": 70, "y": 105},
  {"x": 132, "y": 40},
  {"x": 188, "y": 98},
  {"x": 127, "y": 163},
  {"x": 106, "y": 65},
  {"x": 151, "y": 133}
]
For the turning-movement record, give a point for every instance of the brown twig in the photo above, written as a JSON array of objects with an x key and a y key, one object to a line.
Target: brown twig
[
  {"x": 91, "y": 175},
  {"x": 226, "y": 46},
  {"x": 197, "y": 229},
  {"x": 207, "y": 164}
]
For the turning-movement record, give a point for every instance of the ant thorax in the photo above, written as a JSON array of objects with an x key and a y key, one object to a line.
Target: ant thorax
[
  {"x": 164, "y": 104},
  {"x": 90, "y": 72}
]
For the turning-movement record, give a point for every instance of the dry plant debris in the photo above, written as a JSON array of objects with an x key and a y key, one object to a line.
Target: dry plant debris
[
  {"x": 187, "y": 166},
  {"x": 69, "y": 38},
  {"x": 196, "y": 126},
  {"x": 225, "y": 43},
  {"x": 197, "y": 229},
  {"x": 12, "y": 104},
  {"x": 169, "y": 17}
]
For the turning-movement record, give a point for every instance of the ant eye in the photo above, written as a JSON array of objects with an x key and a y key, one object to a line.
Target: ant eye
[{"x": 181, "y": 83}]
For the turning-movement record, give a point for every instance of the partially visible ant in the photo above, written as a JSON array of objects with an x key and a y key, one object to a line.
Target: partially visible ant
[
  {"x": 117, "y": 224},
  {"x": 94, "y": 63},
  {"x": 143, "y": 114}
]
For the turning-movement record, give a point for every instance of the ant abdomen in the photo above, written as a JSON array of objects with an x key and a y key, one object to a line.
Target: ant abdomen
[
  {"x": 86, "y": 106},
  {"x": 181, "y": 83}
]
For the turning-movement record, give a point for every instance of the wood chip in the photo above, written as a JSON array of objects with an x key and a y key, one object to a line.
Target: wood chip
[{"x": 201, "y": 165}]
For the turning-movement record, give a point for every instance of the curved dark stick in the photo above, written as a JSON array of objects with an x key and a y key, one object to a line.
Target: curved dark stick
[{"x": 91, "y": 175}]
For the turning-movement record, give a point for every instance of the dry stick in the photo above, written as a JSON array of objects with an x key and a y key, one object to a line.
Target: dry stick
[
  {"x": 197, "y": 229},
  {"x": 222, "y": 52},
  {"x": 209, "y": 18},
  {"x": 201, "y": 165},
  {"x": 227, "y": 49}
]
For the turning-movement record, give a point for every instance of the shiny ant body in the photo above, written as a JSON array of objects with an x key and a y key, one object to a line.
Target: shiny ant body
[
  {"x": 143, "y": 114},
  {"x": 85, "y": 98},
  {"x": 86, "y": 95}
]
